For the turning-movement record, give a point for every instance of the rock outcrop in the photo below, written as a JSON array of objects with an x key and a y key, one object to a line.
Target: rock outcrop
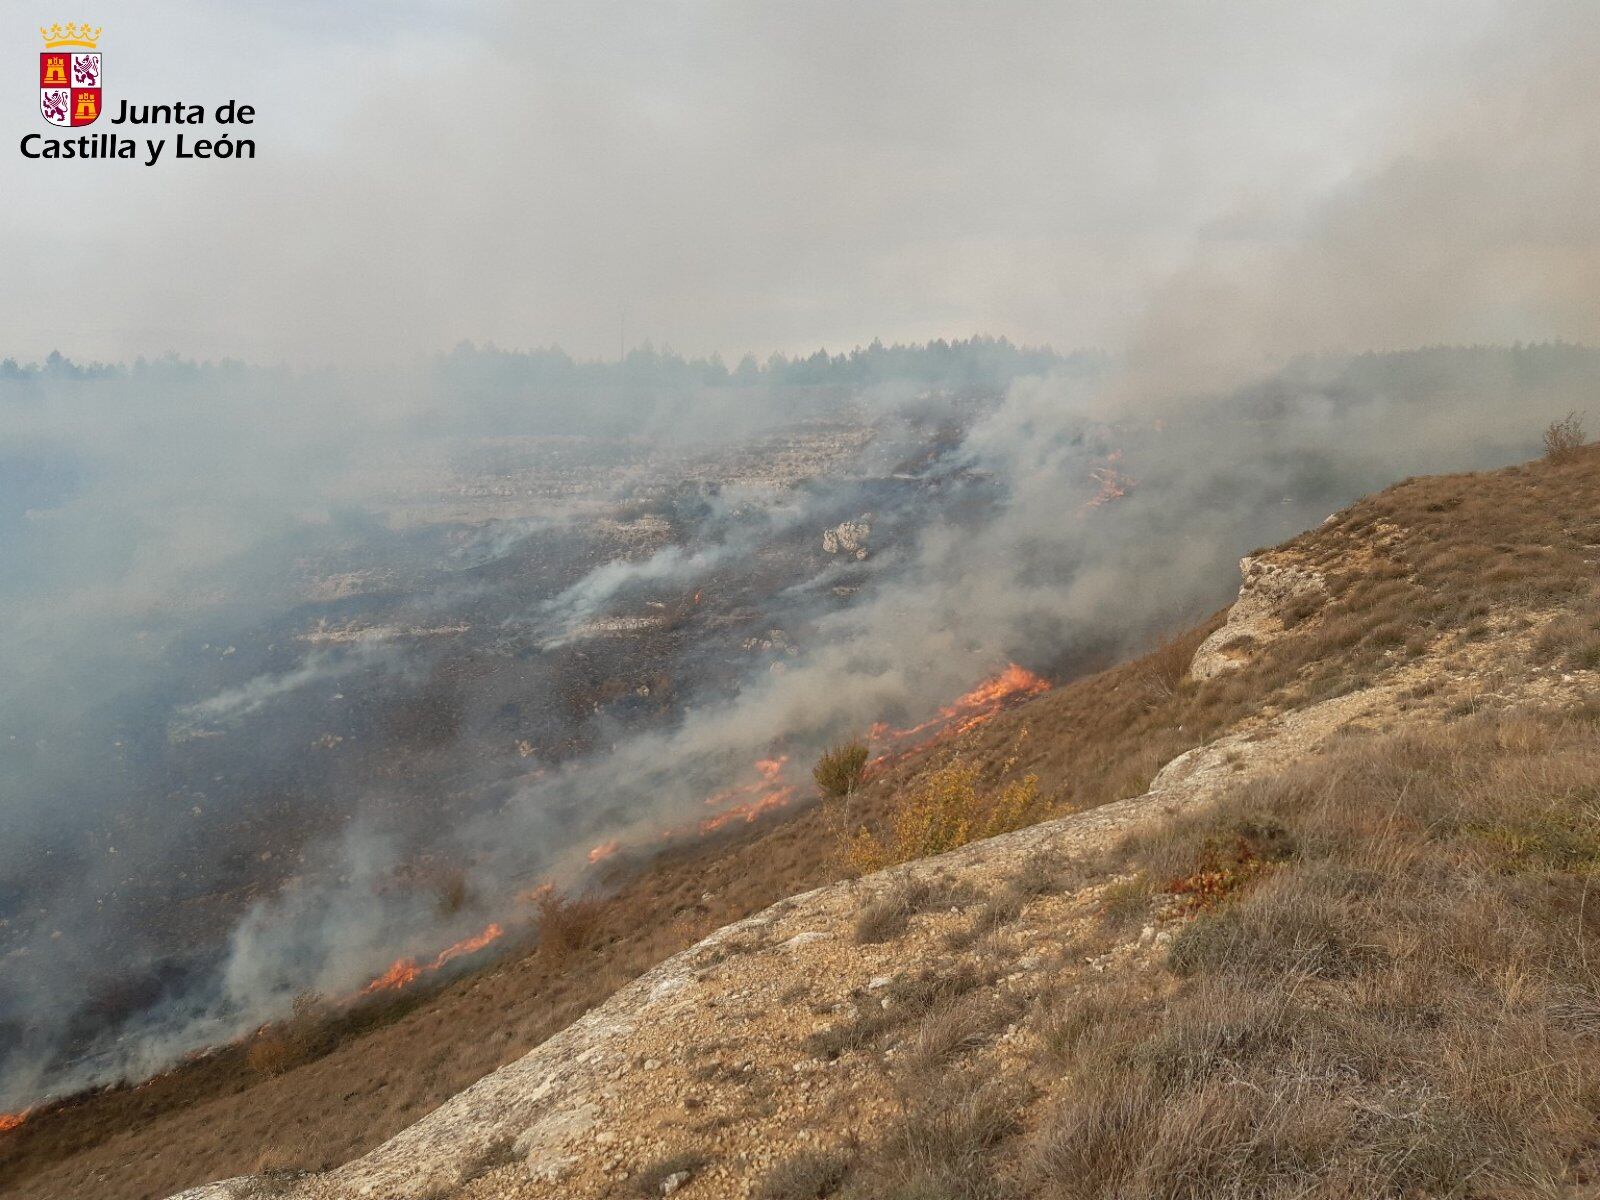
[
  {"x": 1274, "y": 595},
  {"x": 848, "y": 538}
]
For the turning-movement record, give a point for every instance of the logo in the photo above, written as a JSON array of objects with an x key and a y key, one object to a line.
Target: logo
[{"x": 69, "y": 75}]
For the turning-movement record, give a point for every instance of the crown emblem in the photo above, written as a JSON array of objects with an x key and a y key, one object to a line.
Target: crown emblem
[{"x": 71, "y": 35}]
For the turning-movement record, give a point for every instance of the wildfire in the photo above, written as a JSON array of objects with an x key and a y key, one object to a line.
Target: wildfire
[
  {"x": 969, "y": 711},
  {"x": 605, "y": 850},
  {"x": 405, "y": 971},
  {"x": 765, "y": 793},
  {"x": 9, "y": 1121},
  {"x": 1112, "y": 483}
]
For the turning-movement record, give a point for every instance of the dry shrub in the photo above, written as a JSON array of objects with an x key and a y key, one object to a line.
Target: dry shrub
[
  {"x": 841, "y": 770},
  {"x": 307, "y": 1034},
  {"x": 1564, "y": 438},
  {"x": 565, "y": 926},
  {"x": 944, "y": 809},
  {"x": 887, "y": 915},
  {"x": 452, "y": 892},
  {"x": 1162, "y": 671},
  {"x": 808, "y": 1175}
]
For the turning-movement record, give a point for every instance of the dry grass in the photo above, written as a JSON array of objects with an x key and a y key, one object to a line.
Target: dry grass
[
  {"x": 887, "y": 915},
  {"x": 1396, "y": 993},
  {"x": 809, "y": 1175},
  {"x": 1400, "y": 1007},
  {"x": 1425, "y": 563},
  {"x": 945, "y": 1145}
]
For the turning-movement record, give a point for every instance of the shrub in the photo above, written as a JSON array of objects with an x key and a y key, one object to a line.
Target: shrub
[
  {"x": 809, "y": 1175},
  {"x": 565, "y": 926},
  {"x": 841, "y": 770},
  {"x": 278, "y": 1047},
  {"x": 1563, "y": 438},
  {"x": 943, "y": 810}
]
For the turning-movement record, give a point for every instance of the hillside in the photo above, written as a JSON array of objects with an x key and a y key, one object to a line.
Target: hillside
[{"x": 1296, "y": 905}]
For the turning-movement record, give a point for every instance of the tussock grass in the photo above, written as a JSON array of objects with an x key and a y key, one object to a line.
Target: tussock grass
[
  {"x": 809, "y": 1175},
  {"x": 1404, "y": 1005},
  {"x": 886, "y": 916}
]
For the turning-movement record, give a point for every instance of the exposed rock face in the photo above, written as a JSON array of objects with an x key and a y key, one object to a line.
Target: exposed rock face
[
  {"x": 848, "y": 538},
  {"x": 1272, "y": 589}
]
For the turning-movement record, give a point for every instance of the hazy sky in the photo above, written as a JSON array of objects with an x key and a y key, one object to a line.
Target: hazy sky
[{"x": 754, "y": 175}]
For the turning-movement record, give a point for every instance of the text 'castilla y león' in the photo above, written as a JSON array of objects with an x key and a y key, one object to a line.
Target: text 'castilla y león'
[{"x": 151, "y": 150}]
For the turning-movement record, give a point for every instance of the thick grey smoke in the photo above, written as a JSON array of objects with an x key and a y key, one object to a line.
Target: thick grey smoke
[{"x": 177, "y": 695}]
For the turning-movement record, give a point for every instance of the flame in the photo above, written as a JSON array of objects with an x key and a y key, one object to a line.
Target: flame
[
  {"x": 605, "y": 850},
  {"x": 1113, "y": 484},
  {"x": 966, "y": 712},
  {"x": 9, "y": 1121},
  {"x": 765, "y": 793},
  {"x": 405, "y": 971}
]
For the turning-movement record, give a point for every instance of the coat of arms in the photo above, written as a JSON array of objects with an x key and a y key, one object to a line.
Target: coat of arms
[{"x": 69, "y": 75}]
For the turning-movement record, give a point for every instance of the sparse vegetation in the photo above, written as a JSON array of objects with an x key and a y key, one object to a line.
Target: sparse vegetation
[
  {"x": 646, "y": 1183},
  {"x": 1563, "y": 438},
  {"x": 886, "y": 916},
  {"x": 809, "y": 1175}
]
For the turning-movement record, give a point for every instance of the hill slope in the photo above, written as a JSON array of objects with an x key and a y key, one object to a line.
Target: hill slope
[
  {"x": 1339, "y": 945},
  {"x": 1342, "y": 947}
]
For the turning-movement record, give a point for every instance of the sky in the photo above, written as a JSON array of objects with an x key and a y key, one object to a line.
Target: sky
[{"x": 756, "y": 176}]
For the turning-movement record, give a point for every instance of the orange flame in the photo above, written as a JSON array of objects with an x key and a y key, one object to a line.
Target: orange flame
[
  {"x": 404, "y": 971},
  {"x": 1113, "y": 484},
  {"x": 605, "y": 850},
  {"x": 9, "y": 1121},
  {"x": 767, "y": 793},
  {"x": 966, "y": 712}
]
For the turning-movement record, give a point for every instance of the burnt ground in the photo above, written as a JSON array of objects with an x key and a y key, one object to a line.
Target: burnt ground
[{"x": 441, "y": 684}]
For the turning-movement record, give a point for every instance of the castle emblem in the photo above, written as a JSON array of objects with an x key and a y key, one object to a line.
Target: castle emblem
[{"x": 69, "y": 75}]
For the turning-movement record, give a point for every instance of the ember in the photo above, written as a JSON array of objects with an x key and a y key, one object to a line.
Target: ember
[{"x": 9, "y": 1121}]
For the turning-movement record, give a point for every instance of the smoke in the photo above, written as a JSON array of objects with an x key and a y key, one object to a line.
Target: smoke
[{"x": 579, "y": 600}]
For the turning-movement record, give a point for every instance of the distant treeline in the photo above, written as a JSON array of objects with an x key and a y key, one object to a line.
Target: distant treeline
[{"x": 976, "y": 361}]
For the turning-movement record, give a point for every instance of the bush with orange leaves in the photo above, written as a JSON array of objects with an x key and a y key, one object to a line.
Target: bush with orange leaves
[{"x": 945, "y": 808}]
